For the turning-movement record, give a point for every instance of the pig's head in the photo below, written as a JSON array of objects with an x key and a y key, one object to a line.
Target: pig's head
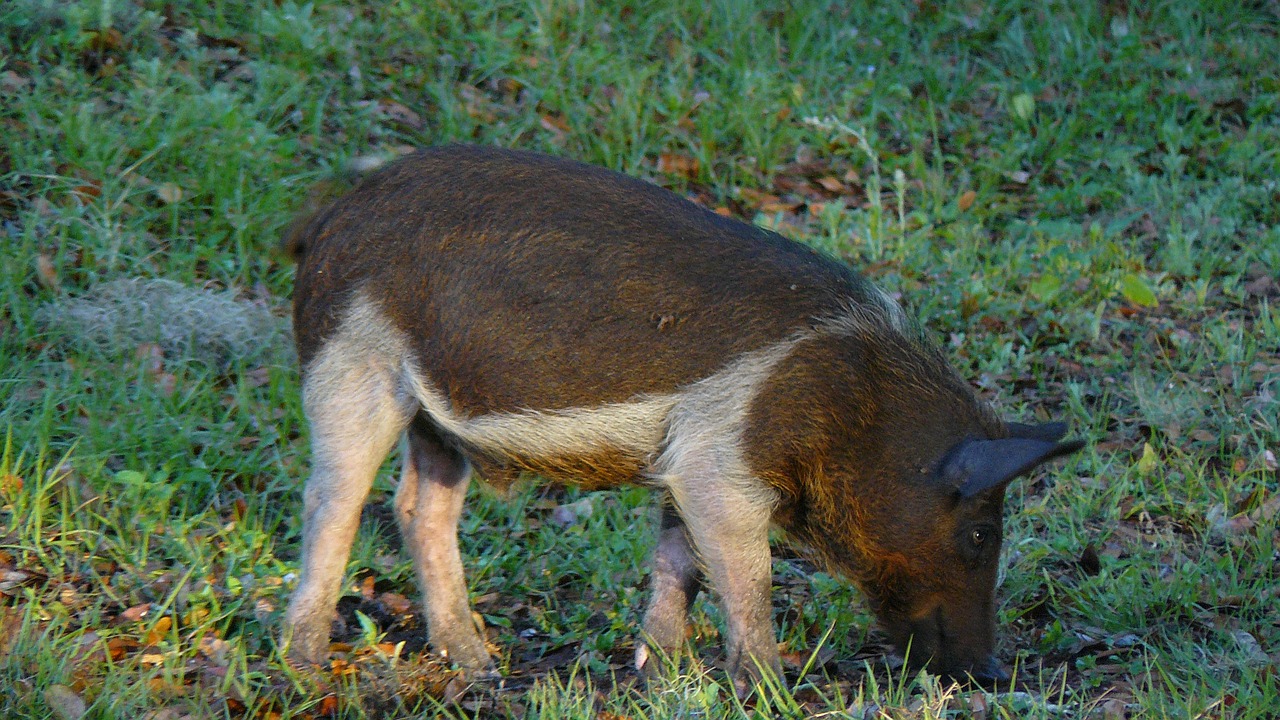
[
  {"x": 892, "y": 472},
  {"x": 935, "y": 550}
]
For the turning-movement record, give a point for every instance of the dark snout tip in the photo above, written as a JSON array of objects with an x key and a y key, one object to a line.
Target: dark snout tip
[
  {"x": 987, "y": 674},
  {"x": 990, "y": 672}
]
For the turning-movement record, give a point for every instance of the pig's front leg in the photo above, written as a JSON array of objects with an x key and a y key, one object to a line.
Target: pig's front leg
[
  {"x": 428, "y": 505},
  {"x": 728, "y": 520},
  {"x": 674, "y": 583}
]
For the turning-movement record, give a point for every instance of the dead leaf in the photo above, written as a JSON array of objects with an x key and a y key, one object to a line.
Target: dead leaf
[
  {"x": 166, "y": 383},
  {"x": 135, "y": 613},
  {"x": 684, "y": 166},
  {"x": 1089, "y": 562},
  {"x": 453, "y": 690},
  {"x": 1113, "y": 710},
  {"x": 12, "y": 82},
  {"x": 195, "y": 616},
  {"x": 400, "y": 114},
  {"x": 216, "y": 649},
  {"x": 105, "y": 40},
  {"x": 118, "y": 647},
  {"x": 978, "y": 706},
  {"x": 64, "y": 702},
  {"x": 831, "y": 183},
  {"x": 396, "y": 603},
  {"x": 10, "y": 624},
  {"x": 10, "y": 580},
  {"x": 169, "y": 193},
  {"x": 1267, "y": 511},
  {"x": 554, "y": 124},
  {"x": 258, "y": 376},
  {"x": 159, "y": 630},
  {"x": 779, "y": 206},
  {"x": 46, "y": 273},
  {"x": 1222, "y": 523},
  {"x": 173, "y": 712},
  {"x": 87, "y": 190},
  {"x": 966, "y": 199},
  {"x": 797, "y": 660},
  {"x": 150, "y": 357}
]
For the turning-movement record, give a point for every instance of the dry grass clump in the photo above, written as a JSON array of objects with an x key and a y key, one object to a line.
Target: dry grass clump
[{"x": 213, "y": 327}]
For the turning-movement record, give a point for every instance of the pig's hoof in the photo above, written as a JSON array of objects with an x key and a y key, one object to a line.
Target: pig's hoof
[
  {"x": 309, "y": 646},
  {"x": 748, "y": 680},
  {"x": 485, "y": 674},
  {"x": 473, "y": 660},
  {"x": 653, "y": 663}
]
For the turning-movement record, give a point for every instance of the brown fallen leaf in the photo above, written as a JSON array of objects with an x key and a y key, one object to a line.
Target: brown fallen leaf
[
  {"x": 150, "y": 357},
  {"x": 554, "y": 124},
  {"x": 135, "y": 613},
  {"x": 118, "y": 647},
  {"x": 1267, "y": 510},
  {"x": 831, "y": 183},
  {"x": 978, "y": 706},
  {"x": 64, "y": 702},
  {"x": 10, "y": 624},
  {"x": 328, "y": 706},
  {"x": 779, "y": 206},
  {"x": 396, "y": 603},
  {"x": 1113, "y": 710},
  {"x": 684, "y": 166},
  {"x": 46, "y": 273},
  {"x": 169, "y": 193},
  {"x": 12, "y": 82},
  {"x": 400, "y": 114},
  {"x": 965, "y": 201}
]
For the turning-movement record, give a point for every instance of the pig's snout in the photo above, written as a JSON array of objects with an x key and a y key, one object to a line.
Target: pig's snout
[
  {"x": 962, "y": 655},
  {"x": 989, "y": 672}
]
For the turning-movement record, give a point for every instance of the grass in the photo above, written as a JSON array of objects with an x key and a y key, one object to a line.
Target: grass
[{"x": 1079, "y": 199}]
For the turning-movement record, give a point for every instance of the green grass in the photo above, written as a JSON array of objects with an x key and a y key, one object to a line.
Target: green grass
[{"x": 1081, "y": 201}]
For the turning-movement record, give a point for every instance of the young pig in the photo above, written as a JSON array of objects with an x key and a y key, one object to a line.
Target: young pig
[{"x": 513, "y": 313}]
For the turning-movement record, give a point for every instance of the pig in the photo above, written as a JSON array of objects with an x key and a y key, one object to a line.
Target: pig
[{"x": 508, "y": 313}]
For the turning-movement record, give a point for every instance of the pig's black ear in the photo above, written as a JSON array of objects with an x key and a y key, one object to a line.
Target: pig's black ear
[
  {"x": 1052, "y": 432},
  {"x": 974, "y": 466}
]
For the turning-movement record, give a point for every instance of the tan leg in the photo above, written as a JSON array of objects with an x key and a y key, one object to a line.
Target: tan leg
[
  {"x": 357, "y": 412},
  {"x": 674, "y": 582},
  {"x": 728, "y": 522},
  {"x": 428, "y": 505}
]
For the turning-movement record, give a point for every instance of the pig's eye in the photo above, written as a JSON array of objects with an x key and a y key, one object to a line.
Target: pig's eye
[{"x": 978, "y": 536}]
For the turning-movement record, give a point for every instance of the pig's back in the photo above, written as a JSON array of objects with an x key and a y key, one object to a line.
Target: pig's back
[{"x": 523, "y": 281}]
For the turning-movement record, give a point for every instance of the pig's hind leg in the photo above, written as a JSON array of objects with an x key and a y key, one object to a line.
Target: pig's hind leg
[
  {"x": 674, "y": 582},
  {"x": 357, "y": 410},
  {"x": 428, "y": 504}
]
